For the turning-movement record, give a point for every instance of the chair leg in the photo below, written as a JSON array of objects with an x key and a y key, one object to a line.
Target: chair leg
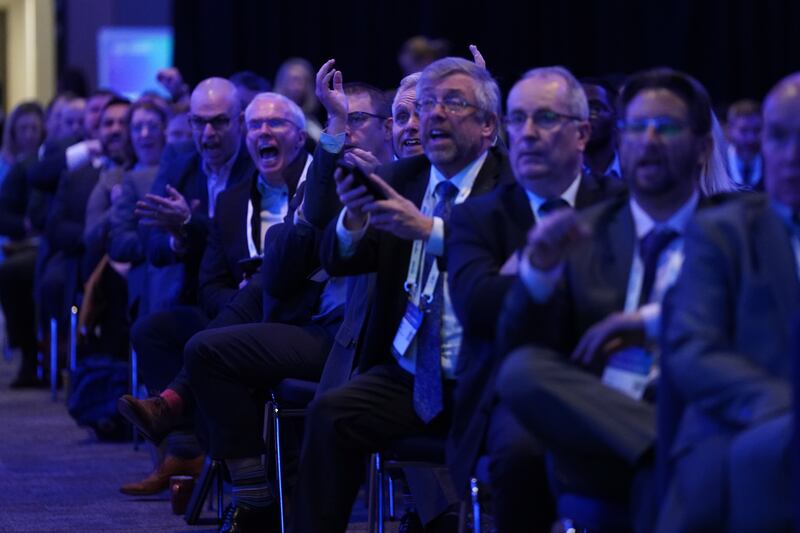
[
  {"x": 201, "y": 490},
  {"x": 380, "y": 488},
  {"x": 371, "y": 494},
  {"x": 135, "y": 392},
  {"x": 476, "y": 505},
  {"x": 53, "y": 359},
  {"x": 462, "y": 516},
  {"x": 278, "y": 462},
  {"x": 390, "y": 496},
  {"x": 220, "y": 490}
]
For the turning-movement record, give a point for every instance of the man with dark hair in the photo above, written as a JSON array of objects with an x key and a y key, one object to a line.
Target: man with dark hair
[
  {"x": 248, "y": 85},
  {"x": 547, "y": 124},
  {"x": 601, "y": 155},
  {"x": 745, "y": 164},
  {"x": 729, "y": 352},
  {"x": 591, "y": 286},
  {"x": 407, "y": 361}
]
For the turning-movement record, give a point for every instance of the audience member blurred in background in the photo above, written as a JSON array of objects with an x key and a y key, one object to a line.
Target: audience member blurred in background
[
  {"x": 295, "y": 80},
  {"x": 744, "y": 151},
  {"x": 419, "y": 51},
  {"x": 22, "y": 213}
]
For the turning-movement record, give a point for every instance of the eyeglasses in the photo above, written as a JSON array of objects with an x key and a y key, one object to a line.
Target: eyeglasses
[
  {"x": 356, "y": 119},
  {"x": 454, "y": 105},
  {"x": 402, "y": 117},
  {"x": 545, "y": 119},
  {"x": 273, "y": 123},
  {"x": 139, "y": 127},
  {"x": 217, "y": 123},
  {"x": 663, "y": 126}
]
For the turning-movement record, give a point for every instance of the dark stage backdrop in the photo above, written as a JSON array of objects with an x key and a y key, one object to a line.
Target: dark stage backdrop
[{"x": 737, "y": 48}]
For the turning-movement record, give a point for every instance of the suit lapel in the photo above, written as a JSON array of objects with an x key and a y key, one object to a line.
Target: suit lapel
[
  {"x": 588, "y": 191},
  {"x": 620, "y": 239},
  {"x": 519, "y": 208}
]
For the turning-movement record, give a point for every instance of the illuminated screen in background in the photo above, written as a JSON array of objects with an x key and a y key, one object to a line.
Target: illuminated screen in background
[{"x": 128, "y": 58}]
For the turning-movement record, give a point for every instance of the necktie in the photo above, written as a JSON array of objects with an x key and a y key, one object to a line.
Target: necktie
[
  {"x": 747, "y": 170},
  {"x": 553, "y": 204},
  {"x": 428, "y": 400},
  {"x": 650, "y": 249}
]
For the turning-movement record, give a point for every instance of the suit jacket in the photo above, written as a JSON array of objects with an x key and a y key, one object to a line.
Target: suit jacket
[
  {"x": 727, "y": 353},
  {"x": 220, "y": 272},
  {"x": 388, "y": 255},
  {"x": 484, "y": 233},
  {"x": 179, "y": 284}
]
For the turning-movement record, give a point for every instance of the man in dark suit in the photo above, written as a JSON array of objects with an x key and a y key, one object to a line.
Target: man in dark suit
[
  {"x": 591, "y": 285},
  {"x": 458, "y": 104},
  {"x": 728, "y": 347},
  {"x": 548, "y": 130},
  {"x": 178, "y": 214}
]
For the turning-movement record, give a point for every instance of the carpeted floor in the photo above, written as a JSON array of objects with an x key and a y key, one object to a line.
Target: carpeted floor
[{"x": 55, "y": 478}]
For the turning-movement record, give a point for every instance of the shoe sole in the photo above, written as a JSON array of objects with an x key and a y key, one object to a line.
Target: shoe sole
[{"x": 131, "y": 414}]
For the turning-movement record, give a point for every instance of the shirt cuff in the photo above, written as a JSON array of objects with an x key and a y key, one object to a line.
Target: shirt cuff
[
  {"x": 77, "y": 155},
  {"x": 332, "y": 143},
  {"x": 541, "y": 284},
  {"x": 348, "y": 240},
  {"x": 651, "y": 318},
  {"x": 435, "y": 244}
]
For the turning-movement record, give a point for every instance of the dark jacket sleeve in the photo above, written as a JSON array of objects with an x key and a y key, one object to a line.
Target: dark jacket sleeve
[
  {"x": 699, "y": 345},
  {"x": 321, "y": 203},
  {"x": 14, "y": 198},
  {"x": 63, "y": 234},
  {"x": 476, "y": 285},
  {"x": 44, "y": 174},
  {"x": 126, "y": 241},
  {"x": 217, "y": 284}
]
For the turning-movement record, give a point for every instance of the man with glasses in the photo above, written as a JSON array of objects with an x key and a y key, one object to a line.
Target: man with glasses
[
  {"x": 548, "y": 130},
  {"x": 408, "y": 354},
  {"x": 358, "y": 131},
  {"x": 583, "y": 319},
  {"x": 730, "y": 352},
  {"x": 178, "y": 214}
]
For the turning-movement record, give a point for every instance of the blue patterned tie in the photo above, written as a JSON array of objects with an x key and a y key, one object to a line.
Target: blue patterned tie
[{"x": 428, "y": 400}]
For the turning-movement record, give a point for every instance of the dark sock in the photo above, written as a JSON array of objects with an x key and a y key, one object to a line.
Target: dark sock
[
  {"x": 183, "y": 444},
  {"x": 250, "y": 486}
]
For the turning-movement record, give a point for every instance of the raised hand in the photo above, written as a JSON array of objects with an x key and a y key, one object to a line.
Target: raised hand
[
  {"x": 551, "y": 239},
  {"x": 331, "y": 95}
]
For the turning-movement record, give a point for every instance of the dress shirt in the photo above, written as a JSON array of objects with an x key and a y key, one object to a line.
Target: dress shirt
[{"x": 217, "y": 181}]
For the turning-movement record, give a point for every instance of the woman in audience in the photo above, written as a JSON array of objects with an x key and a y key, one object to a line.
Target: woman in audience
[{"x": 22, "y": 136}]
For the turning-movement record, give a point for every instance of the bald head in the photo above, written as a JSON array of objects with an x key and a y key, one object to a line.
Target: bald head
[
  {"x": 215, "y": 117},
  {"x": 781, "y": 141}
]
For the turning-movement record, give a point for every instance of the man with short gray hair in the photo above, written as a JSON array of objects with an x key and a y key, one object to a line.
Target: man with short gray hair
[
  {"x": 411, "y": 341},
  {"x": 547, "y": 125}
]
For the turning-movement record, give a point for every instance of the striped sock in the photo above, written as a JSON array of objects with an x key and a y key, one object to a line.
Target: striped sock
[{"x": 250, "y": 486}]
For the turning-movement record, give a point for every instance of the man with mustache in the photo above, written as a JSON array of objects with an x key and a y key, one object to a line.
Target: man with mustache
[
  {"x": 583, "y": 319},
  {"x": 401, "y": 239},
  {"x": 548, "y": 131},
  {"x": 63, "y": 270}
]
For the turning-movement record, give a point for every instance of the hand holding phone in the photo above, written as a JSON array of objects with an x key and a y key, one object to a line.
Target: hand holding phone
[{"x": 360, "y": 178}]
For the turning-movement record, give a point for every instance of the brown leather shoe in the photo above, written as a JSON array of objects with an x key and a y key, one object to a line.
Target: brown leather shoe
[
  {"x": 151, "y": 416},
  {"x": 158, "y": 479}
]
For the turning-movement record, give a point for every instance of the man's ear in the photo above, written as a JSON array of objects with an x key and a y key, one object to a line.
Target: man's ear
[
  {"x": 584, "y": 132},
  {"x": 491, "y": 126},
  {"x": 387, "y": 129}
]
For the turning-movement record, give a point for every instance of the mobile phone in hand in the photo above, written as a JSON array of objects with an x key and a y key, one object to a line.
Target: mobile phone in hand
[
  {"x": 360, "y": 178},
  {"x": 250, "y": 265}
]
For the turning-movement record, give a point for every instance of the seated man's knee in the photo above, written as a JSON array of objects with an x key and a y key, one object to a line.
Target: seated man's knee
[
  {"x": 521, "y": 374},
  {"x": 199, "y": 350}
]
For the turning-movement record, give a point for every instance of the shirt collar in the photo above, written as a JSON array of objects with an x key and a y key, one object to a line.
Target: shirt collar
[
  {"x": 465, "y": 178},
  {"x": 678, "y": 221},
  {"x": 614, "y": 167},
  {"x": 225, "y": 170},
  {"x": 570, "y": 194}
]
